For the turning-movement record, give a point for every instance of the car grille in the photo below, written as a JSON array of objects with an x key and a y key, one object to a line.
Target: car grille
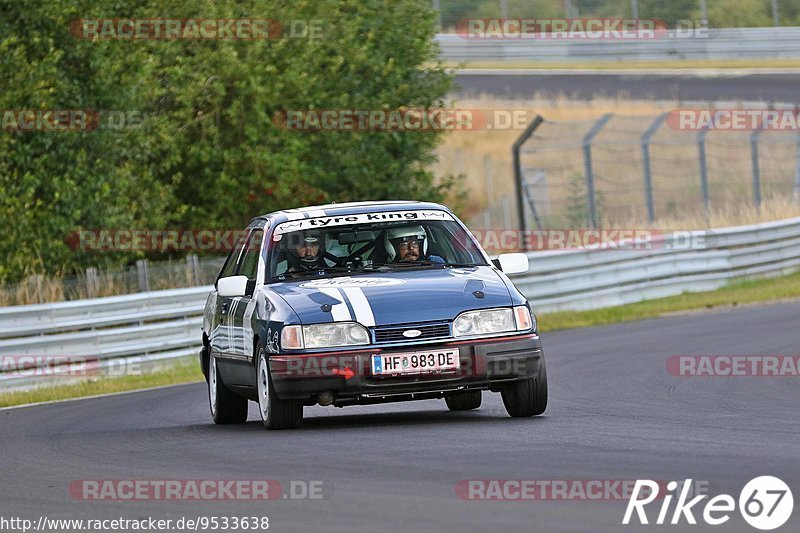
[{"x": 436, "y": 330}]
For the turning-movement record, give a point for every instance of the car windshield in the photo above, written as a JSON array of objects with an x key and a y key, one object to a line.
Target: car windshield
[{"x": 373, "y": 242}]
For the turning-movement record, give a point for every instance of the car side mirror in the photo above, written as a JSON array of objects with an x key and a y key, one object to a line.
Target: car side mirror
[
  {"x": 232, "y": 286},
  {"x": 512, "y": 263}
]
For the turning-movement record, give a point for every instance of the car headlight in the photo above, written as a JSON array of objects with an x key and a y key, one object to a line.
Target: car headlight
[
  {"x": 324, "y": 335},
  {"x": 483, "y": 322}
]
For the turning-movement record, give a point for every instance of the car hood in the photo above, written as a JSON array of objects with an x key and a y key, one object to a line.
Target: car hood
[{"x": 397, "y": 297}]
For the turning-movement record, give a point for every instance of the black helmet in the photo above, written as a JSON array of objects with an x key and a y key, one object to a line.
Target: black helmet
[{"x": 307, "y": 240}]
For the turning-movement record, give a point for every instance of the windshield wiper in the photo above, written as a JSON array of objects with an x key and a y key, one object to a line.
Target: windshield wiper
[{"x": 462, "y": 265}]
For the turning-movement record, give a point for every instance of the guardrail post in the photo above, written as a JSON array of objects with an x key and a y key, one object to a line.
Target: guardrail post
[
  {"x": 701, "y": 155},
  {"x": 515, "y": 149},
  {"x": 143, "y": 275},
  {"x": 587, "y": 162},
  {"x": 756, "y": 169},
  {"x": 648, "y": 176}
]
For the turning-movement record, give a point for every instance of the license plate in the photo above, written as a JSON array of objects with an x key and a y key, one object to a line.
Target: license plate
[{"x": 415, "y": 362}]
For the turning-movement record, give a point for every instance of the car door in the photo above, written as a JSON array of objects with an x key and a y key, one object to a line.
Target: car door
[
  {"x": 243, "y": 307},
  {"x": 220, "y": 335}
]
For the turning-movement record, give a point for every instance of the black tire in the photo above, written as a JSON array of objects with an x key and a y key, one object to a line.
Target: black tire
[
  {"x": 464, "y": 401},
  {"x": 275, "y": 413},
  {"x": 527, "y": 397},
  {"x": 226, "y": 406}
]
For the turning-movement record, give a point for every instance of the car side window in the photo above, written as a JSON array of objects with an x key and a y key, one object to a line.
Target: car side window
[
  {"x": 248, "y": 264},
  {"x": 233, "y": 258}
]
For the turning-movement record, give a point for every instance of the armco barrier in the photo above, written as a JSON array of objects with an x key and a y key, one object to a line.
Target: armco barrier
[
  {"x": 728, "y": 43},
  {"x": 151, "y": 327}
]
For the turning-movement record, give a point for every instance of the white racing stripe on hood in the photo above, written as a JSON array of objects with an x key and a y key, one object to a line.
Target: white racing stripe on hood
[
  {"x": 339, "y": 312},
  {"x": 360, "y": 305}
]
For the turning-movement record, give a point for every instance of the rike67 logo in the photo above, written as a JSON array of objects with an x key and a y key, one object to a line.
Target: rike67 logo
[{"x": 765, "y": 503}]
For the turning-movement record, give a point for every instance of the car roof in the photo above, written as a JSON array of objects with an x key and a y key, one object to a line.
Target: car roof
[{"x": 347, "y": 208}]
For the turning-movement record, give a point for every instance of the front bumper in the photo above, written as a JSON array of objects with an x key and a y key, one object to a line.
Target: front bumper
[{"x": 484, "y": 364}]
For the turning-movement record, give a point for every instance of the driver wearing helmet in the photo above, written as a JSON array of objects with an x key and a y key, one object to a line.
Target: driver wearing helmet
[
  {"x": 408, "y": 244},
  {"x": 304, "y": 253}
]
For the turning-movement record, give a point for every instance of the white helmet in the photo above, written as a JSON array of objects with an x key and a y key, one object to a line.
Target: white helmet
[{"x": 403, "y": 234}]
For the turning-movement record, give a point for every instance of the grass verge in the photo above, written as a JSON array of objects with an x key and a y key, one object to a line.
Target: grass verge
[
  {"x": 740, "y": 293},
  {"x": 185, "y": 371}
]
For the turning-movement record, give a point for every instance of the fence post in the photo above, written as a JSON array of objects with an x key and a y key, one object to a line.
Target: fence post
[
  {"x": 587, "y": 162},
  {"x": 92, "y": 282},
  {"x": 193, "y": 270},
  {"x": 796, "y": 190},
  {"x": 143, "y": 275},
  {"x": 506, "y": 212},
  {"x": 756, "y": 169},
  {"x": 701, "y": 153},
  {"x": 458, "y": 160},
  {"x": 487, "y": 175},
  {"x": 515, "y": 149},
  {"x": 648, "y": 176}
]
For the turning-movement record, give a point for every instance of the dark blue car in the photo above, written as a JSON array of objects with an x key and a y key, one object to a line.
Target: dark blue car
[{"x": 363, "y": 303}]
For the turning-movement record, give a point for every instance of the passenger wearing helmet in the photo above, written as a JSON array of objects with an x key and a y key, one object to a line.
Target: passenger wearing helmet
[
  {"x": 304, "y": 253},
  {"x": 408, "y": 244}
]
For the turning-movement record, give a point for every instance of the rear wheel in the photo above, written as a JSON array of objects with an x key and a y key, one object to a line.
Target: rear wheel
[
  {"x": 527, "y": 397},
  {"x": 464, "y": 401},
  {"x": 275, "y": 413},
  {"x": 226, "y": 407}
]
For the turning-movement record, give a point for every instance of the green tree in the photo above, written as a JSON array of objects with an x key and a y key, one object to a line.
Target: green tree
[
  {"x": 208, "y": 152},
  {"x": 55, "y": 182}
]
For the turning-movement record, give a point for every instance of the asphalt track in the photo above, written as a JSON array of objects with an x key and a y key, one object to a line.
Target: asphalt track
[
  {"x": 615, "y": 413},
  {"x": 719, "y": 86}
]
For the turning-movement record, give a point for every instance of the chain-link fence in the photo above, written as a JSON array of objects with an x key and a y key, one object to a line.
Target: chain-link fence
[
  {"x": 190, "y": 271},
  {"x": 635, "y": 171}
]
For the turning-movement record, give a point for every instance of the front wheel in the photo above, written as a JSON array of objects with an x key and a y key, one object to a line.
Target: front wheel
[
  {"x": 226, "y": 407},
  {"x": 275, "y": 413},
  {"x": 527, "y": 397}
]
